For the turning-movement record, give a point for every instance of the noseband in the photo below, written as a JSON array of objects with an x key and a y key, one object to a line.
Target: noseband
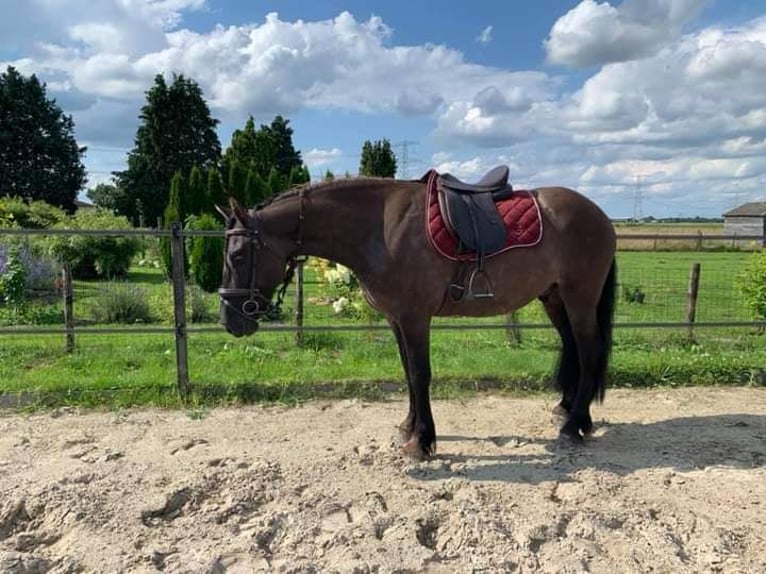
[{"x": 257, "y": 304}]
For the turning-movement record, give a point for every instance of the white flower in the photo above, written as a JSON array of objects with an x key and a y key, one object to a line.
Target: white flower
[{"x": 339, "y": 304}]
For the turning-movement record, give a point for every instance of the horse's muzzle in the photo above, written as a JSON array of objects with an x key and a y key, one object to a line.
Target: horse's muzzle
[{"x": 236, "y": 322}]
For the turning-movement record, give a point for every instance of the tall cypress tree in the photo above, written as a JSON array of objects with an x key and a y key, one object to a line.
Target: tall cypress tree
[
  {"x": 177, "y": 132},
  {"x": 196, "y": 193},
  {"x": 39, "y": 156},
  {"x": 215, "y": 192},
  {"x": 237, "y": 185},
  {"x": 174, "y": 211}
]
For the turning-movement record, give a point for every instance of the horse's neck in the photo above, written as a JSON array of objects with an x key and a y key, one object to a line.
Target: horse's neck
[{"x": 343, "y": 223}]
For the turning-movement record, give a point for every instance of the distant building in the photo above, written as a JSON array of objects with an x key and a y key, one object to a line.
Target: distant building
[
  {"x": 747, "y": 219},
  {"x": 80, "y": 204}
]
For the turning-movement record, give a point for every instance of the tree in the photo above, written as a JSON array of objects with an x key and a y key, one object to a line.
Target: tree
[
  {"x": 39, "y": 155},
  {"x": 329, "y": 176},
  {"x": 196, "y": 193},
  {"x": 299, "y": 175},
  {"x": 378, "y": 160},
  {"x": 257, "y": 189},
  {"x": 276, "y": 182},
  {"x": 287, "y": 157},
  {"x": 107, "y": 196},
  {"x": 215, "y": 192},
  {"x": 237, "y": 187},
  {"x": 176, "y": 133},
  {"x": 253, "y": 149},
  {"x": 174, "y": 211},
  {"x": 206, "y": 255}
]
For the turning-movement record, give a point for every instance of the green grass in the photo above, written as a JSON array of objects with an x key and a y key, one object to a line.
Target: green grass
[{"x": 120, "y": 370}]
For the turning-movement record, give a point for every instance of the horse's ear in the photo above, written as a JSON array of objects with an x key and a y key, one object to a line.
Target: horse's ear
[
  {"x": 223, "y": 211},
  {"x": 237, "y": 210}
]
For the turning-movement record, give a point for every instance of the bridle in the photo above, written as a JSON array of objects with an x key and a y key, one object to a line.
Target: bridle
[{"x": 257, "y": 304}]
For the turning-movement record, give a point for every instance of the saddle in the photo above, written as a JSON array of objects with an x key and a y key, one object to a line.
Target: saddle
[{"x": 471, "y": 214}]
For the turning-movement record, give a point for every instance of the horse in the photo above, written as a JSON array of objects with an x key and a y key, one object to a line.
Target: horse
[{"x": 376, "y": 228}]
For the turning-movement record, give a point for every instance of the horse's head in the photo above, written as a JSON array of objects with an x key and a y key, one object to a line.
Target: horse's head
[{"x": 254, "y": 266}]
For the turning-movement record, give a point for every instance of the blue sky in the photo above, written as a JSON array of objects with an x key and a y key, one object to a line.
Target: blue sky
[{"x": 666, "y": 98}]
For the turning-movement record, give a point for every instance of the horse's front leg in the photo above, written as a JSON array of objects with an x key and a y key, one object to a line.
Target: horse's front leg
[
  {"x": 415, "y": 336},
  {"x": 407, "y": 426}
]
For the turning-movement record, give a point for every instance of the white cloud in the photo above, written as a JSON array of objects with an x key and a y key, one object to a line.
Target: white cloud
[
  {"x": 485, "y": 37},
  {"x": 277, "y": 65},
  {"x": 595, "y": 33},
  {"x": 471, "y": 169},
  {"x": 320, "y": 157},
  {"x": 704, "y": 89},
  {"x": 682, "y": 110}
]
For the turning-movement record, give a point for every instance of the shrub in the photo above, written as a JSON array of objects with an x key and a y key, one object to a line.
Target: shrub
[
  {"x": 31, "y": 315},
  {"x": 200, "y": 306},
  {"x": 13, "y": 278},
  {"x": 206, "y": 254},
  {"x": 752, "y": 284},
  {"x": 122, "y": 303},
  {"x": 16, "y": 212},
  {"x": 95, "y": 256},
  {"x": 39, "y": 272},
  {"x": 347, "y": 297}
]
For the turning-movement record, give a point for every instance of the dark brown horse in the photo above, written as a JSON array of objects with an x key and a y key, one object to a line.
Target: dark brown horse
[{"x": 376, "y": 228}]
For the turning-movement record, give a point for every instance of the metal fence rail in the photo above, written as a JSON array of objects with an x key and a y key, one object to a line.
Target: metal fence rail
[{"x": 180, "y": 330}]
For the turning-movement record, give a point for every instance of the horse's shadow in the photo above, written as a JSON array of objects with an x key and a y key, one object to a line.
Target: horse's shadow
[{"x": 682, "y": 444}]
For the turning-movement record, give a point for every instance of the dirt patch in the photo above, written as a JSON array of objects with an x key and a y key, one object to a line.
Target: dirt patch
[{"x": 672, "y": 481}]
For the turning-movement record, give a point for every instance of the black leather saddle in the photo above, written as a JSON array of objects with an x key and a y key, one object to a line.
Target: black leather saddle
[{"x": 471, "y": 214}]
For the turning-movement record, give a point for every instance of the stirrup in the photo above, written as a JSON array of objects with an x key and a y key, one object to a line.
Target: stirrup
[{"x": 487, "y": 293}]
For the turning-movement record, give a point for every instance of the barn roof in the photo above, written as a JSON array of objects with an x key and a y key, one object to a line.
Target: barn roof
[{"x": 752, "y": 209}]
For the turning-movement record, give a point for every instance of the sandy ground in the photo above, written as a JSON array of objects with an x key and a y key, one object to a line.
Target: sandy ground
[{"x": 673, "y": 481}]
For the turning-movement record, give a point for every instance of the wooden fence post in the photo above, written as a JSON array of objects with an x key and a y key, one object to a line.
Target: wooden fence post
[
  {"x": 179, "y": 308},
  {"x": 66, "y": 287},
  {"x": 691, "y": 306},
  {"x": 299, "y": 305}
]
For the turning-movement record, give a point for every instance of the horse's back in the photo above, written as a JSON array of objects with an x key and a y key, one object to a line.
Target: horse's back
[{"x": 571, "y": 218}]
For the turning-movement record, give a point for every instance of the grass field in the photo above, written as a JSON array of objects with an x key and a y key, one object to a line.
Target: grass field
[{"x": 140, "y": 368}]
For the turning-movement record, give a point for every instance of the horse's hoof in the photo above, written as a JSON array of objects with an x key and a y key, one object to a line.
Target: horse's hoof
[
  {"x": 571, "y": 434},
  {"x": 571, "y": 439},
  {"x": 413, "y": 450},
  {"x": 405, "y": 433}
]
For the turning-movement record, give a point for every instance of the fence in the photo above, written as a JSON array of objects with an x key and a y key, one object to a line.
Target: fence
[{"x": 645, "y": 288}]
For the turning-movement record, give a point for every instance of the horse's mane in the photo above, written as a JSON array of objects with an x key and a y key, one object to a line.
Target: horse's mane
[{"x": 332, "y": 185}]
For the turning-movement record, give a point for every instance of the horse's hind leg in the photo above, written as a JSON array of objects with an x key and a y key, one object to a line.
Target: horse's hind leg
[
  {"x": 581, "y": 312},
  {"x": 568, "y": 370}
]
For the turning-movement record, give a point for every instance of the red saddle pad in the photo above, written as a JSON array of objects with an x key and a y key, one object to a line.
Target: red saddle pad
[{"x": 520, "y": 213}]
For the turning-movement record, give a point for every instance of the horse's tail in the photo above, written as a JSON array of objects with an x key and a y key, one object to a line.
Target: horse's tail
[{"x": 604, "y": 317}]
